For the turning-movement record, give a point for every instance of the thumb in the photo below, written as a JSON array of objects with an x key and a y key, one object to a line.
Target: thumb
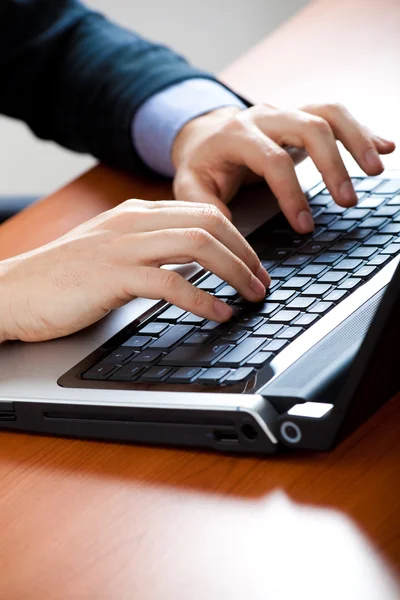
[{"x": 191, "y": 188}]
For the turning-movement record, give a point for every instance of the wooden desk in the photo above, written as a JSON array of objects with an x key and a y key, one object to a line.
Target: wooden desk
[{"x": 103, "y": 521}]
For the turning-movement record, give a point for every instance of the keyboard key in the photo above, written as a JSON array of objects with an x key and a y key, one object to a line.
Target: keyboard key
[
  {"x": 312, "y": 270},
  {"x": 297, "y": 283},
  {"x": 127, "y": 373},
  {"x": 357, "y": 213},
  {"x": 184, "y": 375},
  {"x": 289, "y": 333},
  {"x": 275, "y": 346},
  {"x": 334, "y": 209},
  {"x": 118, "y": 357},
  {"x": 306, "y": 320},
  {"x": 227, "y": 292},
  {"x": 282, "y": 272},
  {"x": 342, "y": 225},
  {"x": 392, "y": 249},
  {"x": 154, "y": 328},
  {"x": 275, "y": 253},
  {"x": 301, "y": 302},
  {"x": 321, "y": 200},
  {"x": 268, "y": 330},
  {"x": 155, "y": 374},
  {"x": 232, "y": 336},
  {"x": 367, "y": 184},
  {"x": 366, "y": 271},
  {"x": 194, "y": 356},
  {"x": 210, "y": 283},
  {"x": 328, "y": 258},
  {"x": 324, "y": 219},
  {"x": 213, "y": 325},
  {"x": 332, "y": 277},
  {"x": 260, "y": 359},
  {"x": 146, "y": 357},
  {"x": 250, "y": 322},
  {"x": 389, "y": 187},
  {"x": 100, "y": 371},
  {"x": 378, "y": 240},
  {"x": 266, "y": 309},
  {"x": 378, "y": 260},
  {"x": 391, "y": 228},
  {"x": 348, "y": 264},
  {"x": 192, "y": 319},
  {"x": 344, "y": 246},
  {"x": 386, "y": 211},
  {"x": 363, "y": 252},
  {"x": 321, "y": 307},
  {"x": 371, "y": 202},
  {"x": 138, "y": 341},
  {"x": 394, "y": 201},
  {"x": 317, "y": 289},
  {"x": 172, "y": 337},
  {"x": 358, "y": 234},
  {"x": 313, "y": 248},
  {"x": 327, "y": 236},
  {"x": 285, "y": 316},
  {"x": 335, "y": 296},
  {"x": 238, "y": 355},
  {"x": 296, "y": 261},
  {"x": 172, "y": 314},
  {"x": 212, "y": 376},
  {"x": 240, "y": 375},
  {"x": 200, "y": 337},
  {"x": 281, "y": 295},
  {"x": 372, "y": 222},
  {"x": 350, "y": 283}
]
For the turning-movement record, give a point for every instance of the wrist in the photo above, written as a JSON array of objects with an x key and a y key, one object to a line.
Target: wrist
[{"x": 199, "y": 129}]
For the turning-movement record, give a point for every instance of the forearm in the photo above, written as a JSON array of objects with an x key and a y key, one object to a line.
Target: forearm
[{"x": 77, "y": 78}]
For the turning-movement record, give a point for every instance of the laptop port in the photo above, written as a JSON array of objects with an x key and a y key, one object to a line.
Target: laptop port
[
  {"x": 226, "y": 437},
  {"x": 249, "y": 432}
]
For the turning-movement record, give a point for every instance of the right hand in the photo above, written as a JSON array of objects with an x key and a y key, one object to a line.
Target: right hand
[{"x": 73, "y": 282}]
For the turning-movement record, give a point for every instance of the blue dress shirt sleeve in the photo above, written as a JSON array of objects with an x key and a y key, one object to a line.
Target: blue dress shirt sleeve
[{"x": 159, "y": 120}]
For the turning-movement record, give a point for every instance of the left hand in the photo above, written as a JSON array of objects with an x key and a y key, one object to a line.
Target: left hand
[{"x": 216, "y": 153}]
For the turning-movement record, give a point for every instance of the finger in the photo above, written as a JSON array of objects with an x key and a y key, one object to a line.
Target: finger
[
  {"x": 356, "y": 138},
  {"x": 190, "y": 187},
  {"x": 160, "y": 284},
  {"x": 268, "y": 160},
  {"x": 209, "y": 218},
  {"x": 180, "y": 246},
  {"x": 320, "y": 143},
  {"x": 382, "y": 145}
]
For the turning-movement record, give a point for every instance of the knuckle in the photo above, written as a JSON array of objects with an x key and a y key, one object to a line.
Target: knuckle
[
  {"x": 335, "y": 108},
  {"x": 198, "y": 299},
  {"x": 320, "y": 125},
  {"x": 172, "y": 282},
  {"x": 211, "y": 214},
  {"x": 197, "y": 237},
  {"x": 280, "y": 159}
]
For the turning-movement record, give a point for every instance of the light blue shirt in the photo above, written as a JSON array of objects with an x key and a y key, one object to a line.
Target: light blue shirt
[{"x": 159, "y": 120}]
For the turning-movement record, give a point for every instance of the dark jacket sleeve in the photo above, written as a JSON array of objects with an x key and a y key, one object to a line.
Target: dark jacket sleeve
[{"x": 76, "y": 78}]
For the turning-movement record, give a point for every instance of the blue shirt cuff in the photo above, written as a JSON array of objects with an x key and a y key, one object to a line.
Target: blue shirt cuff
[{"x": 159, "y": 120}]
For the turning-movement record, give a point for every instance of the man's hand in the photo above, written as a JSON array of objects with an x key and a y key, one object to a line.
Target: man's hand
[
  {"x": 71, "y": 283},
  {"x": 215, "y": 154}
]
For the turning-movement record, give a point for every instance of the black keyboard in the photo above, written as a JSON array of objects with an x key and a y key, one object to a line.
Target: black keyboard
[{"x": 310, "y": 276}]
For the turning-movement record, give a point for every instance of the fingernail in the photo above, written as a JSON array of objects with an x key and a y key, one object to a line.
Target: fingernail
[
  {"x": 263, "y": 276},
  {"x": 257, "y": 287},
  {"x": 347, "y": 193},
  {"x": 372, "y": 159},
  {"x": 305, "y": 221},
  {"x": 222, "y": 310}
]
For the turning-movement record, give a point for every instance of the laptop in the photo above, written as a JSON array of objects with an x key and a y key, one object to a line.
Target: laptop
[{"x": 300, "y": 370}]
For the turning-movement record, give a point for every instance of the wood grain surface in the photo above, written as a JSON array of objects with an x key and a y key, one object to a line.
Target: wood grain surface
[{"x": 105, "y": 521}]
